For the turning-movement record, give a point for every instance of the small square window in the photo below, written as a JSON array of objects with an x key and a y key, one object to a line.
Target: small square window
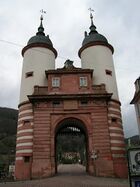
[
  {"x": 26, "y": 122},
  {"x": 29, "y": 74},
  {"x": 108, "y": 72},
  {"x": 56, "y": 103},
  {"x": 55, "y": 82},
  {"x": 83, "y": 81},
  {"x": 84, "y": 102},
  {"x": 114, "y": 120},
  {"x": 26, "y": 159}
]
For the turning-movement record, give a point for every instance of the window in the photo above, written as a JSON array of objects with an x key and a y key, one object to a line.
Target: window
[
  {"x": 29, "y": 74},
  {"x": 108, "y": 72},
  {"x": 83, "y": 81},
  {"x": 26, "y": 122},
  {"x": 84, "y": 102},
  {"x": 26, "y": 158},
  {"x": 114, "y": 120},
  {"x": 55, "y": 82},
  {"x": 56, "y": 103}
]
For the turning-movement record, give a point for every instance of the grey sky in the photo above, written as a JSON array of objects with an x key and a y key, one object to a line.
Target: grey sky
[{"x": 65, "y": 22}]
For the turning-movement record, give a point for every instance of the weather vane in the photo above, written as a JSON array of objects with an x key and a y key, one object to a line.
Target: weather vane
[
  {"x": 42, "y": 12},
  {"x": 91, "y": 16},
  {"x": 91, "y": 10}
]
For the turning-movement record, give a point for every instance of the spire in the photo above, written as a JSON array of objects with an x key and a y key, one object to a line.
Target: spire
[
  {"x": 41, "y": 28},
  {"x": 92, "y": 27}
]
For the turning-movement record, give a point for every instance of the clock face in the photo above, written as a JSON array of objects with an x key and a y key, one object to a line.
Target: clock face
[{"x": 137, "y": 158}]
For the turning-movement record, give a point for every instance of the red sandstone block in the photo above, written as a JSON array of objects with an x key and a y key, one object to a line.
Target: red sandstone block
[
  {"x": 121, "y": 170},
  {"x": 40, "y": 149},
  {"x": 41, "y": 133},
  {"x": 102, "y": 141},
  {"x": 105, "y": 151},
  {"x": 23, "y": 147},
  {"x": 25, "y": 134},
  {"x": 117, "y": 138},
  {"x": 98, "y": 130},
  {"x": 118, "y": 145},
  {"x": 116, "y": 131},
  {"x": 24, "y": 141},
  {"x": 100, "y": 135},
  {"x": 23, "y": 154},
  {"x": 24, "y": 127},
  {"x": 42, "y": 127},
  {"x": 106, "y": 155},
  {"x": 118, "y": 151},
  {"x": 100, "y": 144},
  {"x": 115, "y": 125},
  {"x": 37, "y": 146},
  {"x": 40, "y": 153},
  {"x": 120, "y": 160},
  {"x": 100, "y": 126},
  {"x": 42, "y": 111},
  {"x": 42, "y": 136},
  {"x": 23, "y": 108},
  {"x": 41, "y": 142},
  {"x": 100, "y": 115},
  {"x": 115, "y": 112},
  {"x": 41, "y": 117},
  {"x": 101, "y": 148},
  {"x": 25, "y": 114},
  {"x": 37, "y": 120}
]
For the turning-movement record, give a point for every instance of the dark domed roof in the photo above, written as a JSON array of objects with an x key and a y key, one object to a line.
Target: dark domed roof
[
  {"x": 40, "y": 40},
  {"x": 93, "y": 36},
  {"x": 40, "y": 37}
]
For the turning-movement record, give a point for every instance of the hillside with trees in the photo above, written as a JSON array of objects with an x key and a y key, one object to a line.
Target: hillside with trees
[{"x": 8, "y": 126}]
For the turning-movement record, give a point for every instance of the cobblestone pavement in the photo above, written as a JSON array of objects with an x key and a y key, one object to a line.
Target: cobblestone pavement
[{"x": 70, "y": 176}]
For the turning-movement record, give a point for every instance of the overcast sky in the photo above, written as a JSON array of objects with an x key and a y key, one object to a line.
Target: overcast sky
[{"x": 65, "y": 21}]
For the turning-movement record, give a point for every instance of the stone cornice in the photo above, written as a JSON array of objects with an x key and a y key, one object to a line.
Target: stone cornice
[
  {"x": 39, "y": 45},
  {"x": 94, "y": 44},
  {"x": 23, "y": 103},
  {"x": 34, "y": 98},
  {"x": 69, "y": 71}
]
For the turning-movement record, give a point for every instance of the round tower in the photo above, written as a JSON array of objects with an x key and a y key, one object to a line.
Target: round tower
[
  {"x": 38, "y": 56},
  {"x": 96, "y": 53}
]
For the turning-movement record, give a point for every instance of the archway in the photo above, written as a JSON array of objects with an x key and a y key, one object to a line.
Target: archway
[{"x": 71, "y": 146}]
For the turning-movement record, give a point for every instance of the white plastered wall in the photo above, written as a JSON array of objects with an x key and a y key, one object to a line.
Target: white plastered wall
[
  {"x": 100, "y": 59},
  {"x": 36, "y": 60}
]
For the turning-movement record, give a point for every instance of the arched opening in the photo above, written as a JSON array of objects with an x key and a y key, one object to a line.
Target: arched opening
[{"x": 71, "y": 144}]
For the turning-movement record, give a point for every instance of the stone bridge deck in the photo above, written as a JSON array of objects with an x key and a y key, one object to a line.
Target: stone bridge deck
[{"x": 70, "y": 176}]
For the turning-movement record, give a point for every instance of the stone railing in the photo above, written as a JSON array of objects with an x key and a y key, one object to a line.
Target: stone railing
[
  {"x": 40, "y": 90},
  {"x": 99, "y": 89},
  {"x": 96, "y": 89}
]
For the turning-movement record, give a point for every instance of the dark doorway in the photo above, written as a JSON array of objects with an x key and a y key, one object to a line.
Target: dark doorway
[{"x": 71, "y": 147}]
